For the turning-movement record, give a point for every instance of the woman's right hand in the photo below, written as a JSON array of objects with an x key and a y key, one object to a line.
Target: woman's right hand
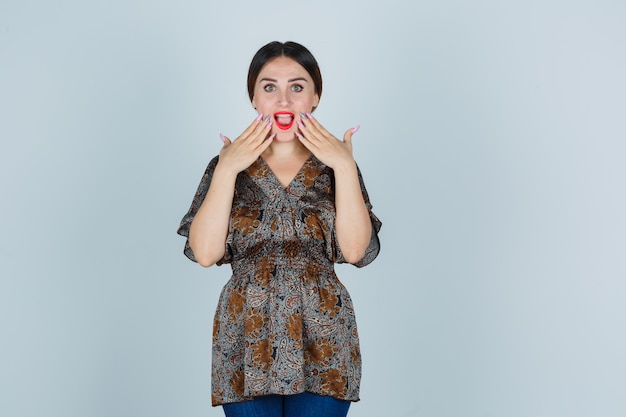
[{"x": 247, "y": 148}]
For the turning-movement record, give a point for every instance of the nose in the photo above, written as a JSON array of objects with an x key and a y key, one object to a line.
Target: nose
[{"x": 283, "y": 98}]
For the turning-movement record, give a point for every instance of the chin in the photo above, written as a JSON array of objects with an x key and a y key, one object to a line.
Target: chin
[{"x": 283, "y": 137}]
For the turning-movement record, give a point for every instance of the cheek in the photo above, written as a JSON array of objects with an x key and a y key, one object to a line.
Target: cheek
[
  {"x": 305, "y": 101},
  {"x": 260, "y": 105},
  {"x": 311, "y": 101}
]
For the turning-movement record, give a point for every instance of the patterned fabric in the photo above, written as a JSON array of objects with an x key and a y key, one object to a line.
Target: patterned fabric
[{"x": 284, "y": 323}]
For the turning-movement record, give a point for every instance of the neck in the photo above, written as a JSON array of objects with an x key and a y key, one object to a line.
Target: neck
[{"x": 289, "y": 149}]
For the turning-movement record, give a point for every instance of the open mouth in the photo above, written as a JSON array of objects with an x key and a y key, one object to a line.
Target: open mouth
[{"x": 284, "y": 119}]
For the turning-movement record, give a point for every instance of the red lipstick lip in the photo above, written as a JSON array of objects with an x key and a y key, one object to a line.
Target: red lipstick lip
[{"x": 288, "y": 113}]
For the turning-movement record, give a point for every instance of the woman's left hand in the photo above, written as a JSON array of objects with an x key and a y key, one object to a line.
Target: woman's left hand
[{"x": 326, "y": 147}]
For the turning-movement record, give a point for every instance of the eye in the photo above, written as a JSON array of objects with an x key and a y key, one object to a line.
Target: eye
[
  {"x": 269, "y": 88},
  {"x": 297, "y": 88}
]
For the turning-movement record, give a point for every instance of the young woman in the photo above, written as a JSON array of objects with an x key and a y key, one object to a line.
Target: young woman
[{"x": 282, "y": 203}]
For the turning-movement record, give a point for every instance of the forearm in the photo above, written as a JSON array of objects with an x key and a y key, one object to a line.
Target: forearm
[
  {"x": 353, "y": 225},
  {"x": 209, "y": 228}
]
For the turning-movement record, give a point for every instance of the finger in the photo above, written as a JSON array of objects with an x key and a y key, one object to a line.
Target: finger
[
  {"x": 315, "y": 125},
  {"x": 309, "y": 135},
  {"x": 307, "y": 143},
  {"x": 225, "y": 140},
  {"x": 308, "y": 122},
  {"x": 312, "y": 128},
  {"x": 267, "y": 142},
  {"x": 262, "y": 129},
  {"x": 252, "y": 127},
  {"x": 257, "y": 149},
  {"x": 317, "y": 131},
  {"x": 347, "y": 137}
]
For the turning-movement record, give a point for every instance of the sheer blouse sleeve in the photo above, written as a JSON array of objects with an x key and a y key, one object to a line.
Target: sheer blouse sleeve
[
  {"x": 374, "y": 246},
  {"x": 198, "y": 198}
]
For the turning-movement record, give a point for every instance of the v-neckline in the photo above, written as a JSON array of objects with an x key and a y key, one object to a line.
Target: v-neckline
[{"x": 295, "y": 177}]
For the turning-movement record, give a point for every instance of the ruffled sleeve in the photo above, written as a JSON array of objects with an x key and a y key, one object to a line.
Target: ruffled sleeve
[
  {"x": 198, "y": 198},
  {"x": 374, "y": 246}
]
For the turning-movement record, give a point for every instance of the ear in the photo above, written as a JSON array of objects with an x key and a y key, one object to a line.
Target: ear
[{"x": 316, "y": 100}]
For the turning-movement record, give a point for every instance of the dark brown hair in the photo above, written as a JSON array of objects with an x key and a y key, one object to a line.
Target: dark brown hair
[{"x": 291, "y": 50}]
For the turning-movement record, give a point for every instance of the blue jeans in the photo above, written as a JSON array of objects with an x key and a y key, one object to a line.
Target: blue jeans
[{"x": 299, "y": 405}]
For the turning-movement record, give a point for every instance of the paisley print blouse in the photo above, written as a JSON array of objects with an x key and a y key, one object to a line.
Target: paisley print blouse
[{"x": 284, "y": 323}]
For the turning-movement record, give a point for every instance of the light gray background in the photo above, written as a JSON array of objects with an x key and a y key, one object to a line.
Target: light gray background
[{"x": 492, "y": 144}]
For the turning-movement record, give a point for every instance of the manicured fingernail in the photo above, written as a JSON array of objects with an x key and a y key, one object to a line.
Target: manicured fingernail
[
  {"x": 223, "y": 138},
  {"x": 309, "y": 115},
  {"x": 259, "y": 117},
  {"x": 303, "y": 115},
  {"x": 298, "y": 135},
  {"x": 266, "y": 118},
  {"x": 271, "y": 137},
  {"x": 300, "y": 124},
  {"x": 356, "y": 129},
  {"x": 269, "y": 124}
]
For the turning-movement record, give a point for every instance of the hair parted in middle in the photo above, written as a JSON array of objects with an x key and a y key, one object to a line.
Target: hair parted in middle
[{"x": 289, "y": 49}]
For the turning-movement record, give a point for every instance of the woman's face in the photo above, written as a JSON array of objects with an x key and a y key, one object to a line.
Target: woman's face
[{"x": 283, "y": 89}]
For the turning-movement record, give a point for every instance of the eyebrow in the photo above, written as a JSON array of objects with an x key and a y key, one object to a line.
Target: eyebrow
[{"x": 289, "y": 81}]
